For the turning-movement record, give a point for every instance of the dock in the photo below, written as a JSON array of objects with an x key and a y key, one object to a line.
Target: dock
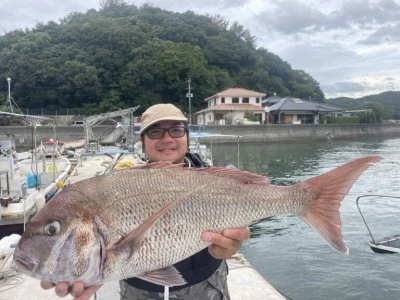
[
  {"x": 244, "y": 281},
  {"x": 111, "y": 138}
]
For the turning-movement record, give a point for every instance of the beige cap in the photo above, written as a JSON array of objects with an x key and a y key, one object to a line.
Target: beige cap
[{"x": 161, "y": 112}]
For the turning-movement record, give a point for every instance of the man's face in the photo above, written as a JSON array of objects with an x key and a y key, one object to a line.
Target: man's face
[{"x": 166, "y": 148}]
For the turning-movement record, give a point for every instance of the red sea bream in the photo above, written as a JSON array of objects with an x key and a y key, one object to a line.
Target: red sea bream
[{"x": 138, "y": 222}]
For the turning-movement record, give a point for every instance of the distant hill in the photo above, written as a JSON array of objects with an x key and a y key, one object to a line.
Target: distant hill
[
  {"x": 389, "y": 100},
  {"x": 123, "y": 55}
]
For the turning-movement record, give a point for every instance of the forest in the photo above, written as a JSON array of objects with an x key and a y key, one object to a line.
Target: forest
[
  {"x": 122, "y": 55},
  {"x": 386, "y": 105}
]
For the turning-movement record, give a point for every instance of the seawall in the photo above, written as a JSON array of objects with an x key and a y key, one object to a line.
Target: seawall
[
  {"x": 247, "y": 133},
  {"x": 286, "y": 132}
]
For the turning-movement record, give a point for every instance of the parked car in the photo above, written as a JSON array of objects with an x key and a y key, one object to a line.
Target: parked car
[{"x": 78, "y": 123}]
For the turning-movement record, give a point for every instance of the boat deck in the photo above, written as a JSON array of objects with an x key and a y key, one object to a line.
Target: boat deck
[
  {"x": 389, "y": 244},
  {"x": 50, "y": 172}
]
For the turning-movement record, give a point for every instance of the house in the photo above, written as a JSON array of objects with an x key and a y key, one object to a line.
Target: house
[
  {"x": 229, "y": 106},
  {"x": 291, "y": 110}
]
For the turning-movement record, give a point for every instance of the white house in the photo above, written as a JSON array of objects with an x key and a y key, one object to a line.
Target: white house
[{"x": 229, "y": 106}]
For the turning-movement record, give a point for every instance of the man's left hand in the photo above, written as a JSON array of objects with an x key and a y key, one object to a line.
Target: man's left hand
[{"x": 224, "y": 245}]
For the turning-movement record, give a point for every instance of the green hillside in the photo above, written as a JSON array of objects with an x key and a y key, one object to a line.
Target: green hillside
[
  {"x": 388, "y": 102},
  {"x": 123, "y": 55}
]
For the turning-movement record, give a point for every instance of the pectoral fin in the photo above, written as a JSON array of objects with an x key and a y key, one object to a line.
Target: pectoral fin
[
  {"x": 132, "y": 240},
  {"x": 168, "y": 276}
]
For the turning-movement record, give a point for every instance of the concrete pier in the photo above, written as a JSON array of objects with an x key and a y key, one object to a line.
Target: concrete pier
[{"x": 247, "y": 133}]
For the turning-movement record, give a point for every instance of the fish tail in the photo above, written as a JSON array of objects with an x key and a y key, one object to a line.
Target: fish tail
[{"x": 329, "y": 189}]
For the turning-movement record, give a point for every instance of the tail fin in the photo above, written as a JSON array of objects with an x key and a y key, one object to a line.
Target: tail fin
[{"x": 329, "y": 189}]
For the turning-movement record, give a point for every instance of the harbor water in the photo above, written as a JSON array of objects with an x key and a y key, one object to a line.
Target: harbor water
[{"x": 290, "y": 255}]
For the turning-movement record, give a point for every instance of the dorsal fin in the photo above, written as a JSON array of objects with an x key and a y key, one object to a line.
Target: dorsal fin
[{"x": 240, "y": 175}]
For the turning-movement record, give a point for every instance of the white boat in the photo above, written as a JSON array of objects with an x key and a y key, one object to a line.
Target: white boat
[
  {"x": 79, "y": 143},
  {"x": 389, "y": 244},
  {"x": 196, "y": 145},
  {"x": 25, "y": 185},
  {"x": 50, "y": 148}
]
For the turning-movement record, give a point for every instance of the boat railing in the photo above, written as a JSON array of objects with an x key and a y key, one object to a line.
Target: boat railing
[
  {"x": 390, "y": 244},
  {"x": 7, "y": 182}
]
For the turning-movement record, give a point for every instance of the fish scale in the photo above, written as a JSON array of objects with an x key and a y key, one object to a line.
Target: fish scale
[{"x": 137, "y": 221}]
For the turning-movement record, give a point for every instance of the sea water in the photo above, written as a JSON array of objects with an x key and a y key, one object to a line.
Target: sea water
[{"x": 290, "y": 255}]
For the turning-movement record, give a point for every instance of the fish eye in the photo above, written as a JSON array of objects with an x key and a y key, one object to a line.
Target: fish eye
[{"x": 52, "y": 228}]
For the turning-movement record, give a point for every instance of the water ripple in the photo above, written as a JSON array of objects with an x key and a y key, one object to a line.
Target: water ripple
[{"x": 291, "y": 256}]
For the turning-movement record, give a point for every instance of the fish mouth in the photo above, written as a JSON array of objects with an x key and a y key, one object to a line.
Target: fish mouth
[{"x": 24, "y": 264}]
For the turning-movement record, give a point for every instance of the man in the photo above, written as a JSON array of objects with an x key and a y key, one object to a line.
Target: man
[{"x": 165, "y": 137}]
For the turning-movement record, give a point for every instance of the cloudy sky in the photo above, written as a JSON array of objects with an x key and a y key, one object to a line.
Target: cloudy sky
[{"x": 351, "y": 47}]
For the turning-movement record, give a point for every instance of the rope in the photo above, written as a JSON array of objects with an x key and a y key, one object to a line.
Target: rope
[{"x": 9, "y": 279}]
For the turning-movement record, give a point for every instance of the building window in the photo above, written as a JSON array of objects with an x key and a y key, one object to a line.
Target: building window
[
  {"x": 235, "y": 100},
  {"x": 223, "y": 100},
  {"x": 258, "y": 100},
  {"x": 245, "y": 100}
]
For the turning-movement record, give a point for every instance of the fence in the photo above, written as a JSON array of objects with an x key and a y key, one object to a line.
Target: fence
[{"x": 51, "y": 112}]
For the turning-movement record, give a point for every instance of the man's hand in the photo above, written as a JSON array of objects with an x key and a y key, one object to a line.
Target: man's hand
[
  {"x": 78, "y": 290},
  {"x": 224, "y": 245}
]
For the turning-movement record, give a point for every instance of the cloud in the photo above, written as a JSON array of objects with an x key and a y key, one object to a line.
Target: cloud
[
  {"x": 365, "y": 12},
  {"x": 387, "y": 34},
  {"x": 291, "y": 17},
  {"x": 323, "y": 56},
  {"x": 235, "y": 3},
  {"x": 23, "y": 14},
  {"x": 346, "y": 87},
  {"x": 360, "y": 86}
]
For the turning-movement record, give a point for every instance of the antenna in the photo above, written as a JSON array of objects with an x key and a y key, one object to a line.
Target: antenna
[
  {"x": 9, "y": 94},
  {"x": 189, "y": 95}
]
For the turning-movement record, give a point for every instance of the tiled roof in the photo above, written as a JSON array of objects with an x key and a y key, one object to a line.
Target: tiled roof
[
  {"x": 237, "y": 92},
  {"x": 272, "y": 99},
  {"x": 230, "y": 107},
  {"x": 296, "y": 104}
]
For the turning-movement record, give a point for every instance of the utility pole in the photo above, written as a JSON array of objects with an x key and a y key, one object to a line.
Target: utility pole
[
  {"x": 9, "y": 94},
  {"x": 189, "y": 95}
]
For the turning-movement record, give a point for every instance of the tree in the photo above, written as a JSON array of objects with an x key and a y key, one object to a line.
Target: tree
[
  {"x": 130, "y": 55},
  {"x": 377, "y": 113},
  {"x": 367, "y": 117},
  {"x": 249, "y": 115}
]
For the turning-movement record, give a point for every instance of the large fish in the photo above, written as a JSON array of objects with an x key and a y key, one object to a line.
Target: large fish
[{"x": 138, "y": 222}]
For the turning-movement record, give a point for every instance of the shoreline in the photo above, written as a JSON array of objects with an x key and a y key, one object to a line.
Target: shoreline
[{"x": 247, "y": 133}]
